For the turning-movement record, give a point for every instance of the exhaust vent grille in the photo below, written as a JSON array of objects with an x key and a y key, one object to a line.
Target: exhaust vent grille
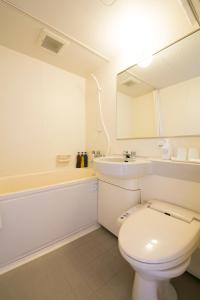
[
  {"x": 52, "y": 42},
  {"x": 129, "y": 83},
  {"x": 127, "y": 79}
]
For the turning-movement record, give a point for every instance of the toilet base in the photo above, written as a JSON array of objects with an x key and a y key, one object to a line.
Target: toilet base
[{"x": 144, "y": 289}]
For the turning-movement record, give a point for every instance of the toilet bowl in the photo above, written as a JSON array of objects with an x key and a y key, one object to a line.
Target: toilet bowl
[{"x": 157, "y": 240}]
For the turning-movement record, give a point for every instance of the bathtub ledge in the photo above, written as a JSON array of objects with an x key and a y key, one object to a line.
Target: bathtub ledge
[{"x": 45, "y": 188}]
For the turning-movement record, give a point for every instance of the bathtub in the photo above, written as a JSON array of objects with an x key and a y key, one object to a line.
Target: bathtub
[{"x": 39, "y": 212}]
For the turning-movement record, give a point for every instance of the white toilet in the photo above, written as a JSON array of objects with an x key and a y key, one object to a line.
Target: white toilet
[{"x": 157, "y": 240}]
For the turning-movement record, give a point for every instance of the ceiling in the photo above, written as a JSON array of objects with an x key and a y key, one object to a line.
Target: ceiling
[{"x": 97, "y": 32}]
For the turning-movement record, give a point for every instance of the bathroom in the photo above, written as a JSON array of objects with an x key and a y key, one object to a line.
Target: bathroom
[{"x": 71, "y": 72}]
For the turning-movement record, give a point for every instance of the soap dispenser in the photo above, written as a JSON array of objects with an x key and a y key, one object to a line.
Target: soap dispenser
[{"x": 166, "y": 149}]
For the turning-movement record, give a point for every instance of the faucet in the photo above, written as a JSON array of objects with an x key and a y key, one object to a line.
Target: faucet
[
  {"x": 127, "y": 156},
  {"x": 133, "y": 154},
  {"x": 96, "y": 154}
]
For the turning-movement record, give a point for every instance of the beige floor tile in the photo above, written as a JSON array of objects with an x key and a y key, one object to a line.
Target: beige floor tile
[
  {"x": 119, "y": 287},
  {"x": 187, "y": 287}
]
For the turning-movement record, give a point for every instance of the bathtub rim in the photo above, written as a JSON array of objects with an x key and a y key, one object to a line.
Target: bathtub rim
[
  {"x": 64, "y": 169},
  {"x": 45, "y": 188}
]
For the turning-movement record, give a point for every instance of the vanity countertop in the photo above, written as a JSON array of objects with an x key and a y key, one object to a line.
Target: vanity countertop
[{"x": 184, "y": 170}]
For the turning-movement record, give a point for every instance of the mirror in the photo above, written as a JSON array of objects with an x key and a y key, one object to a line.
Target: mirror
[{"x": 161, "y": 95}]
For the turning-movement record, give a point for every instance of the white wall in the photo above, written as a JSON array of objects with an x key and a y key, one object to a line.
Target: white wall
[
  {"x": 42, "y": 114},
  {"x": 180, "y": 192}
]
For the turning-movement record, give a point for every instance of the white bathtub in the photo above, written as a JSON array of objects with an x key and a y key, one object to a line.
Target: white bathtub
[{"x": 44, "y": 209}]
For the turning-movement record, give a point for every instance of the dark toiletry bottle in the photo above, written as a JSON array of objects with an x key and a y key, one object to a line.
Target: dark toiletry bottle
[
  {"x": 78, "y": 160},
  {"x": 85, "y": 160},
  {"x": 82, "y": 160}
]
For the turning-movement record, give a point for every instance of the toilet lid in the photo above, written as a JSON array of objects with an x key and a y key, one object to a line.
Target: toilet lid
[{"x": 150, "y": 236}]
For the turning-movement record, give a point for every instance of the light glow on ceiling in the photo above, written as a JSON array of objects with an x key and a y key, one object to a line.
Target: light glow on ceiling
[
  {"x": 134, "y": 34},
  {"x": 145, "y": 62}
]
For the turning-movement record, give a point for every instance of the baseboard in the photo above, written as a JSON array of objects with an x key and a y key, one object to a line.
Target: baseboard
[{"x": 48, "y": 249}]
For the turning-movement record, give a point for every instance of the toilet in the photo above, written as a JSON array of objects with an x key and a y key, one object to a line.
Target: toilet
[{"x": 157, "y": 240}]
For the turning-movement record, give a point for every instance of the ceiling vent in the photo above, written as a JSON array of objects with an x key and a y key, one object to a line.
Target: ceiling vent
[
  {"x": 52, "y": 42},
  {"x": 127, "y": 79},
  {"x": 129, "y": 83}
]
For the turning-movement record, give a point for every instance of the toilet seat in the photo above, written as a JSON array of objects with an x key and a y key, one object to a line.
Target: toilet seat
[
  {"x": 157, "y": 240},
  {"x": 153, "y": 240},
  {"x": 153, "y": 267},
  {"x": 160, "y": 271}
]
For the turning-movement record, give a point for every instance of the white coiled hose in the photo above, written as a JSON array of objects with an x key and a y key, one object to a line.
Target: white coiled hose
[{"x": 99, "y": 89}]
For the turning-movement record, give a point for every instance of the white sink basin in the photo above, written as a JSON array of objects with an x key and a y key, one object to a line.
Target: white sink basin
[
  {"x": 115, "y": 159},
  {"x": 116, "y": 166}
]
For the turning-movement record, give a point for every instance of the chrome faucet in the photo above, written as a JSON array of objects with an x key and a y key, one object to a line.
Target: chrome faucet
[
  {"x": 129, "y": 156},
  {"x": 133, "y": 154},
  {"x": 126, "y": 155},
  {"x": 96, "y": 154}
]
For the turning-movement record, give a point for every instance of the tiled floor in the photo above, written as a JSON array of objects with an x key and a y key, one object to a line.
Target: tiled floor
[{"x": 90, "y": 268}]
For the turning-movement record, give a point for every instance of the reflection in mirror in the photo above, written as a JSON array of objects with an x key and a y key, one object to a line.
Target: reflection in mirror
[
  {"x": 136, "y": 115},
  {"x": 162, "y": 99}
]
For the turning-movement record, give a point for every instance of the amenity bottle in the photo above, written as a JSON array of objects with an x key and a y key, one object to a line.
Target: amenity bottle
[
  {"x": 85, "y": 160},
  {"x": 78, "y": 160},
  {"x": 82, "y": 160}
]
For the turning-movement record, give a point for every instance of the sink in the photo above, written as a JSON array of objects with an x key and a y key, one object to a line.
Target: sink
[
  {"x": 116, "y": 166},
  {"x": 115, "y": 159}
]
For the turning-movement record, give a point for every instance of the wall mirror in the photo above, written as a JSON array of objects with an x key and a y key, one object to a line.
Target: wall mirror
[{"x": 161, "y": 95}]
